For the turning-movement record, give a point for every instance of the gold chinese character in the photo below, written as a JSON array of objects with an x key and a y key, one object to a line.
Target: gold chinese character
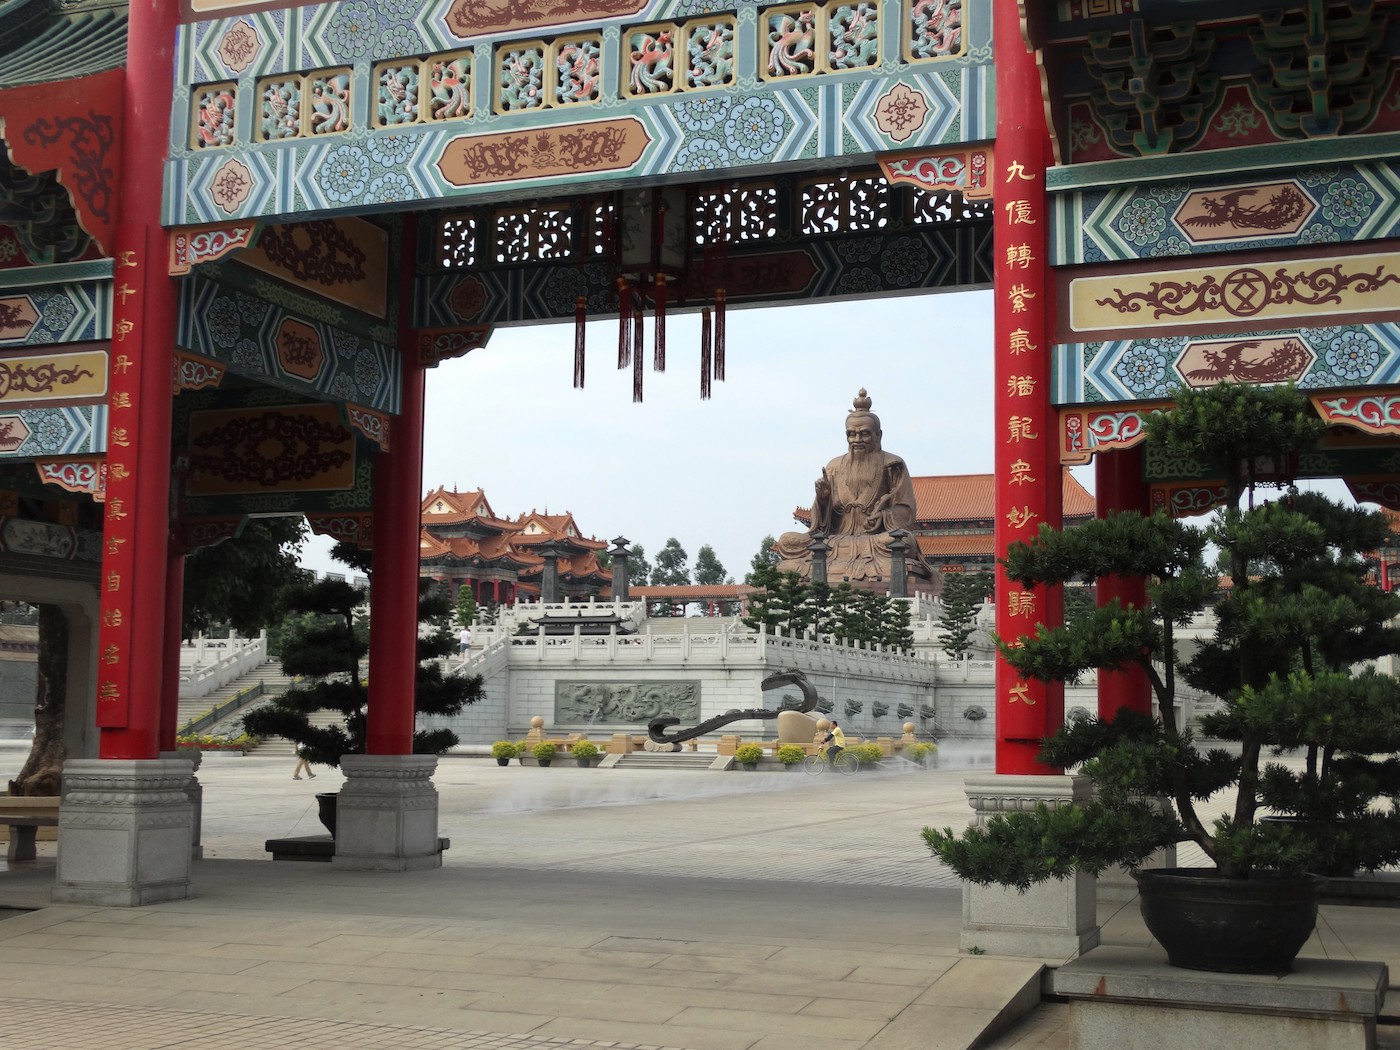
[
  {"x": 124, "y": 328},
  {"x": 1018, "y": 428},
  {"x": 119, "y": 437},
  {"x": 1014, "y": 170},
  {"x": 122, "y": 365},
  {"x": 125, "y": 292},
  {"x": 109, "y": 691},
  {"x": 1020, "y": 255},
  {"x": 1021, "y": 473},
  {"x": 111, "y": 654},
  {"x": 1019, "y": 212},
  {"x": 1020, "y": 342},
  {"x": 118, "y": 472},
  {"x": 112, "y": 618},
  {"x": 1021, "y": 692},
  {"x": 114, "y": 581},
  {"x": 114, "y": 545},
  {"x": 1020, "y": 386},
  {"x": 1020, "y": 517},
  {"x": 127, "y": 258},
  {"x": 114, "y": 509},
  {"x": 1019, "y": 294},
  {"x": 1020, "y": 603},
  {"x": 121, "y": 399}
]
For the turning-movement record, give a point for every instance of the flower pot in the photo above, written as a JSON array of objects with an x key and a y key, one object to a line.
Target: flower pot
[
  {"x": 544, "y": 761},
  {"x": 749, "y": 765},
  {"x": 584, "y": 762},
  {"x": 502, "y": 761},
  {"x": 325, "y": 809},
  {"x": 1205, "y": 922}
]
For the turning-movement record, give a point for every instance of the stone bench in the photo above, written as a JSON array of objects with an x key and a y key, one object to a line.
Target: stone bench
[
  {"x": 23, "y": 830},
  {"x": 317, "y": 848}
]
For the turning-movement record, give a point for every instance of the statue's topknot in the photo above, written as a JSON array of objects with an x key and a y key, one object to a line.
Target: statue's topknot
[{"x": 861, "y": 402}]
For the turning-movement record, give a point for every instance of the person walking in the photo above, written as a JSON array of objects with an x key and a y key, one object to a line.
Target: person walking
[
  {"x": 303, "y": 763},
  {"x": 464, "y": 642}
]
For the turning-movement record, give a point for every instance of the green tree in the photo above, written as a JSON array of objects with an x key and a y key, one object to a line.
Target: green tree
[
  {"x": 325, "y": 642},
  {"x": 963, "y": 595},
  {"x": 708, "y": 570},
  {"x": 466, "y": 606},
  {"x": 638, "y": 568},
  {"x": 766, "y": 558},
  {"x": 219, "y": 585},
  {"x": 671, "y": 568},
  {"x": 1296, "y": 616}
]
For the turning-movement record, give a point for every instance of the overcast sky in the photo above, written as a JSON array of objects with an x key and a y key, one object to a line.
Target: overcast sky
[{"x": 727, "y": 471}]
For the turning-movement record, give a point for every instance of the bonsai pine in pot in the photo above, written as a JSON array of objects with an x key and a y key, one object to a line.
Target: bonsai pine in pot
[
  {"x": 323, "y": 640},
  {"x": 1294, "y": 616}
]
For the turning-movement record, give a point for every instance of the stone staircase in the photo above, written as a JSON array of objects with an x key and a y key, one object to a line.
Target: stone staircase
[
  {"x": 670, "y": 760},
  {"x": 269, "y": 674}
]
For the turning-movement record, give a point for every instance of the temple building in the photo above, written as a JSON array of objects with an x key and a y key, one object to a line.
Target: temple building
[
  {"x": 954, "y": 519},
  {"x": 465, "y": 543}
]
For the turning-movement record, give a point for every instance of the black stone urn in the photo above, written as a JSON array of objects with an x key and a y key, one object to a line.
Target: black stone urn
[
  {"x": 325, "y": 809},
  {"x": 1206, "y": 922}
]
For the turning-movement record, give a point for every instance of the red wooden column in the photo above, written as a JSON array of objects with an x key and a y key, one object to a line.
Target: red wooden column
[
  {"x": 1119, "y": 485},
  {"x": 398, "y": 476},
  {"x": 137, "y": 526},
  {"x": 1028, "y": 486},
  {"x": 174, "y": 622}
]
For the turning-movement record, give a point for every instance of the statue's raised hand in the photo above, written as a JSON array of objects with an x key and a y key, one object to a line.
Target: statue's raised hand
[{"x": 823, "y": 487}]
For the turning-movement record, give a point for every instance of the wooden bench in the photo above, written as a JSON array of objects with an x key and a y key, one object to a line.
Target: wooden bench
[{"x": 23, "y": 830}]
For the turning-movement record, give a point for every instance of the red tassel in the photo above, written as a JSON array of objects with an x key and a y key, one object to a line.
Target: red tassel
[
  {"x": 719, "y": 334},
  {"x": 638, "y": 329},
  {"x": 637, "y": 360},
  {"x": 624, "y": 323},
  {"x": 580, "y": 316},
  {"x": 659, "y": 354},
  {"x": 705, "y": 354}
]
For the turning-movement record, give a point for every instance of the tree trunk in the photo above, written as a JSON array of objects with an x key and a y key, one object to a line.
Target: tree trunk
[{"x": 43, "y": 769}]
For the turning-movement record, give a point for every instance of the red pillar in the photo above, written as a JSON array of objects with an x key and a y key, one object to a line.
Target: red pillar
[
  {"x": 398, "y": 476},
  {"x": 174, "y": 633},
  {"x": 135, "y": 532},
  {"x": 1028, "y": 486},
  {"x": 1119, "y": 485}
]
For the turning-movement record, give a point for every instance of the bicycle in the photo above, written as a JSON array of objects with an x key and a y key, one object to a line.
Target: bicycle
[{"x": 844, "y": 762}]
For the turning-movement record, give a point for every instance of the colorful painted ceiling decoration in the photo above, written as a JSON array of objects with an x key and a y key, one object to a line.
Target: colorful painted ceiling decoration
[{"x": 352, "y": 104}]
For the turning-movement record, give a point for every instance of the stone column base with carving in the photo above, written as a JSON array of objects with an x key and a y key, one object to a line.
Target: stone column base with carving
[
  {"x": 124, "y": 832},
  {"x": 387, "y": 813},
  {"x": 195, "y": 791},
  {"x": 1053, "y": 920}
]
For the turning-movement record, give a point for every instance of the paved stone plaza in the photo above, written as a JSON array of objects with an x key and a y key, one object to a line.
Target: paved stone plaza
[{"x": 587, "y": 908}]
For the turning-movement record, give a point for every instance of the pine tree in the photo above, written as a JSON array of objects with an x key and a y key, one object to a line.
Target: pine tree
[
  {"x": 959, "y": 620},
  {"x": 466, "y": 606},
  {"x": 324, "y": 642},
  {"x": 766, "y": 558}
]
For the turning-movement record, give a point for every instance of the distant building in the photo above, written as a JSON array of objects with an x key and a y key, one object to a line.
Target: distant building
[
  {"x": 955, "y": 516},
  {"x": 464, "y": 543}
]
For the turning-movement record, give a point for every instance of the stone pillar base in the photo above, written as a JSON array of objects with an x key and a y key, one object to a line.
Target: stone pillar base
[
  {"x": 1053, "y": 920},
  {"x": 387, "y": 814},
  {"x": 125, "y": 832},
  {"x": 195, "y": 790}
]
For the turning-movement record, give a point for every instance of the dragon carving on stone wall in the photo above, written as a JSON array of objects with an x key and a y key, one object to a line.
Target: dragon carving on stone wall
[{"x": 656, "y": 728}]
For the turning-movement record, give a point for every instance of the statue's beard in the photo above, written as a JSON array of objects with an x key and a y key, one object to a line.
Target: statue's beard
[{"x": 865, "y": 472}]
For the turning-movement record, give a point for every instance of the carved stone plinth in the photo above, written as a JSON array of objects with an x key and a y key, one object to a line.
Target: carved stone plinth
[
  {"x": 1053, "y": 920},
  {"x": 387, "y": 813},
  {"x": 125, "y": 832},
  {"x": 195, "y": 791}
]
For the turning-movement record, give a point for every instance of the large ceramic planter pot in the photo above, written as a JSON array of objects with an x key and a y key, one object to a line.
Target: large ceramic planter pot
[
  {"x": 325, "y": 809},
  {"x": 502, "y": 761},
  {"x": 544, "y": 762},
  {"x": 1205, "y": 922},
  {"x": 584, "y": 762}
]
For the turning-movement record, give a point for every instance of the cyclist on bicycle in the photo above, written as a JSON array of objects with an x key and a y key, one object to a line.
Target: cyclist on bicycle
[{"x": 836, "y": 739}]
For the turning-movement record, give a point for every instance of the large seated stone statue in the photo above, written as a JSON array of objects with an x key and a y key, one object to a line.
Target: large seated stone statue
[{"x": 861, "y": 498}]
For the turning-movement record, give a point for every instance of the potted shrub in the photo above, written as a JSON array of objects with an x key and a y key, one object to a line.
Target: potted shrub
[
  {"x": 585, "y": 751},
  {"x": 1294, "y": 614},
  {"x": 868, "y": 755},
  {"x": 791, "y": 755},
  {"x": 544, "y": 752},
  {"x": 503, "y": 751},
  {"x": 921, "y": 752},
  {"x": 748, "y": 755},
  {"x": 322, "y": 640}
]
